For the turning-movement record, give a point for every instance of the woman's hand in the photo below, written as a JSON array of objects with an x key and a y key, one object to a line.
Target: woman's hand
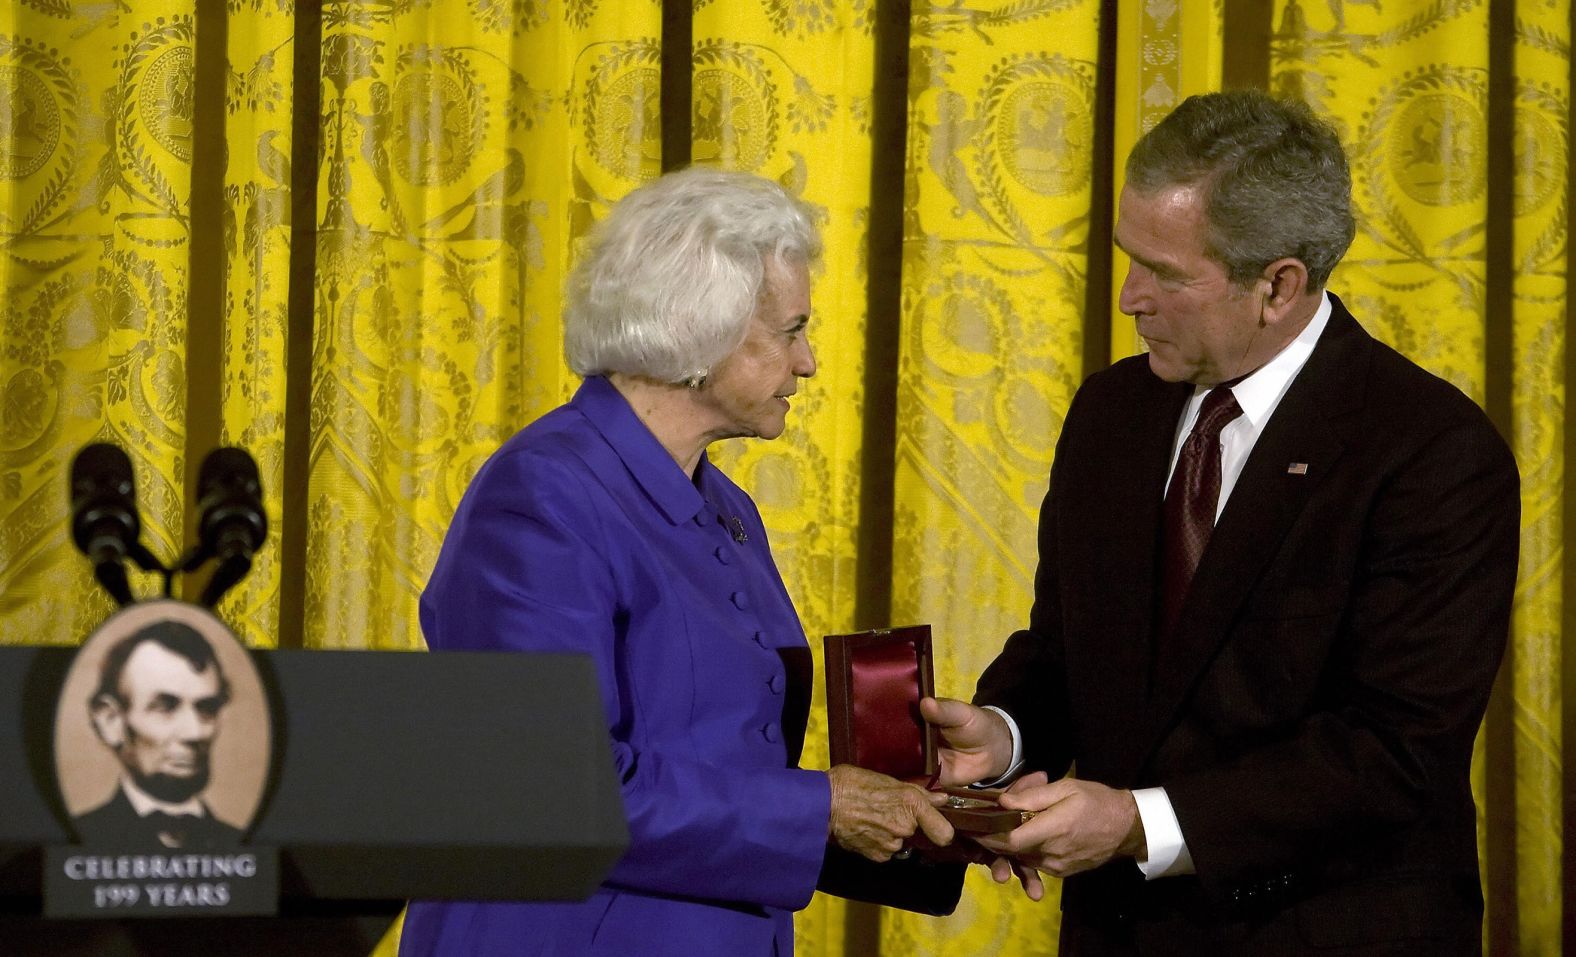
[{"x": 872, "y": 814}]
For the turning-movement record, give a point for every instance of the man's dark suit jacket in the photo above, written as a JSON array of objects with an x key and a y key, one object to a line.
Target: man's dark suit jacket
[
  {"x": 115, "y": 822},
  {"x": 1312, "y": 718}
]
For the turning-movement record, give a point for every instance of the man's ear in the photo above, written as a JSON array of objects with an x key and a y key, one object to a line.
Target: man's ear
[
  {"x": 109, "y": 720},
  {"x": 1282, "y": 286}
]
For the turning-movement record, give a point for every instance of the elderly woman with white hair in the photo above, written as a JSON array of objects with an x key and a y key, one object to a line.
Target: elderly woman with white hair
[{"x": 602, "y": 528}]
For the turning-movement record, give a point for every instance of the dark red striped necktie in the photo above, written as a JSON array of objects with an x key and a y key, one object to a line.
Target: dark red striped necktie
[{"x": 1191, "y": 500}]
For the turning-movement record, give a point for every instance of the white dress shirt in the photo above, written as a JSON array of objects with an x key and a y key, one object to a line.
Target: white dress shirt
[{"x": 1258, "y": 395}]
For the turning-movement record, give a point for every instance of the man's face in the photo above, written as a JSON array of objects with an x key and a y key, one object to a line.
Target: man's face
[
  {"x": 163, "y": 727},
  {"x": 1200, "y": 327}
]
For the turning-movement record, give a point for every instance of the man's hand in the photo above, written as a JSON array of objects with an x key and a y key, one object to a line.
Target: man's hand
[
  {"x": 872, "y": 814},
  {"x": 976, "y": 745},
  {"x": 1002, "y": 870},
  {"x": 1077, "y": 826}
]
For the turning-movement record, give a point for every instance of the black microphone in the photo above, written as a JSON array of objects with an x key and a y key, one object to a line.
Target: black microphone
[
  {"x": 232, "y": 524},
  {"x": 104, "y": 522}
]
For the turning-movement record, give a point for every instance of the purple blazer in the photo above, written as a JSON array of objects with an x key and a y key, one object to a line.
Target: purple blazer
[{"x": 581, "y": 534}]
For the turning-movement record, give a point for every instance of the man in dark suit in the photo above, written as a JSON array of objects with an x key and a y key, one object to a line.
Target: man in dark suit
[
  {"x": 1276, "y": 567},
  {"x": 157, "y": 707}
]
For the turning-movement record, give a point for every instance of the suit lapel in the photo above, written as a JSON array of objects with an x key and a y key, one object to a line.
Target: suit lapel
[
  {"x": 1137, "y": 495},
  {"x": 1123, "y": 544},
  {"x": 1268, "y": 497}
]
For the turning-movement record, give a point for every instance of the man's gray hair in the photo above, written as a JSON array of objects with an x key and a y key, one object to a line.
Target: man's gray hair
[
  {"x": 1273, "y": 175},
  {"x": 671, "y": 278}
]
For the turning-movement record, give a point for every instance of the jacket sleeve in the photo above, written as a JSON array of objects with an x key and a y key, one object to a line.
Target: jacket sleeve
[
  {"x": 527, "y": 566},
  {"x": 917, "y": 884},
  {"x": 1028, "y": 678}
]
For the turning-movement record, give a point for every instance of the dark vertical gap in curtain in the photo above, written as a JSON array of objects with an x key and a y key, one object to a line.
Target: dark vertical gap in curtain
[
  {"x": 883, "y": 329},
  {"x": 1245, "y": 53},
  {"x": 1498, "y": 345},
  {"x": 305, "y": 126},
  {"x": 1097, "y": 286},
  {"x": 205, "y": 283},
  {"x": 1568, "y": 565},
  {"x": 884, "y": 314},
  {"x": 1499, "y": 229},
  {"x": 678, "y": 47}
]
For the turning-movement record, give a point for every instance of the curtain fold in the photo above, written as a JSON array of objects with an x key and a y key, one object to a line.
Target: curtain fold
[
  {"x": 256, "y": 260},
  {"x": 464, "y": 148},
  {"x": 1540, "y": 326},
  {"x": 1165, "y": 53},
  {"x": 995, "y": 249}
]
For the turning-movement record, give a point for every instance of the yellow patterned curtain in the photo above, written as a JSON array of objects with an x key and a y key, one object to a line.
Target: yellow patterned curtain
[
  {"x": 1001, "y": 147},
  {"x": 463, "y": 143},
  {"x": 96, "y": 138},
  {"x": 369, "y": 299}
]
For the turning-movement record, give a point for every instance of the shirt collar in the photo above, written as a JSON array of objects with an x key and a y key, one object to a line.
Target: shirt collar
[
  {"x": 144, "y": 803},
  {"x": 1259, "y": 393},
  {"x": 648, "y": 463}
]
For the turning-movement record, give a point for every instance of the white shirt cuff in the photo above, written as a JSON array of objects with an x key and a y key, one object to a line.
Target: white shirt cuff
[
  {"x": 1167, "y": 851},
  {"x": 1017, "y": 751}
]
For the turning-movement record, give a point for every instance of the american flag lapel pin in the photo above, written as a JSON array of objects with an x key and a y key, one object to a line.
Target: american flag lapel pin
[{"x": 1297, "y": 468}]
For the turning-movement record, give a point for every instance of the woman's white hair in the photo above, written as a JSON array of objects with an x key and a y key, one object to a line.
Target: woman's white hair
[{"x": 670, "y": 279}]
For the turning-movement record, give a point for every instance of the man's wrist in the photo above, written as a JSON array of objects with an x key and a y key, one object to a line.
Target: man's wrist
[
  {"x": 1165, "y": 850},
  {"x": 1133, "y": 845},
  {"x": 1015, "y": 753}
]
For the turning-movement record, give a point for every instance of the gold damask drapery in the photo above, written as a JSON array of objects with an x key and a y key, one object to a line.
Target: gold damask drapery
[{"x": 335, "y": 233}]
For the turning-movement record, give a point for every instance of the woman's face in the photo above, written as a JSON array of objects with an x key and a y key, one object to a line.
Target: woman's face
[{"x": 748, "y": 391}]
